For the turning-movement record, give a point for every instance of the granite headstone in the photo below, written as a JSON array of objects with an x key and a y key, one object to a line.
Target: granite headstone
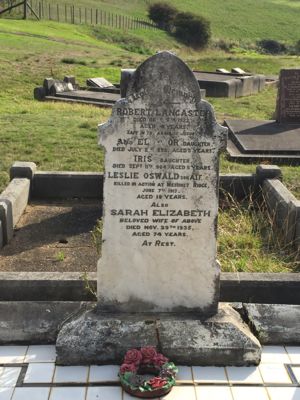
[{"x": 288, "y": 100}]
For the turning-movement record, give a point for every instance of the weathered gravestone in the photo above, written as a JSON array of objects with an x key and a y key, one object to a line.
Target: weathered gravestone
[
  {"x": 288, "y": 101},
  {"x": 158, "y": 278},
  {"x": 161, "y": 195}
]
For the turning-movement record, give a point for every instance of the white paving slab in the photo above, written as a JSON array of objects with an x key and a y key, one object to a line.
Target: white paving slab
[
  {"x": 294, "y": 353},
  {"x": 40, "y": 353},
  {"x": 180, "y": 393},
  {"x": 76, "y": 374},
  {"x": 104, "y": 373},
  {"x": 67, "y": 393},
  {"x": 12, "y": 354},
  {"x": 31, "y": 393},
  {"x": 283, "y": 393},
  {"x": 249, "y": 393},
  {"x": 184, "y": 373},
  {"x": 210, "y": 374},
  {"x": 274, "y": 373},
  {"x": 9, "y": 376},
  {"x": 274, "y": 354},
  {"x": 40, "y": 373},
  {"x": 6, "y": 393},
  {"x": 213, "y": 393},
  {"x": 244, "y": 375},
  {"x": 104, "y": 393}
]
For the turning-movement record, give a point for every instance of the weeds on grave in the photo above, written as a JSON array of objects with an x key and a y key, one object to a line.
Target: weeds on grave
[
  {"x": 89, "y": 287},
  {"x": 60, "y": 256},
  {"x": 97, "y": 235},
  {"x": 248, "y": 239}
]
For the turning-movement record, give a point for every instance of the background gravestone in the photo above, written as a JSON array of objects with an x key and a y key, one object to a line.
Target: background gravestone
[
  {"x": 161, "y": 195},
  {"x": 288, "y": 101}
]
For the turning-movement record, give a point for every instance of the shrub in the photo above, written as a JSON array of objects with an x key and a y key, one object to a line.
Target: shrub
[
  {"x": 67, "y": 60},
  {"x": 162, "y": 14},
  {"x": 192, "y": 29},
  {"x": 271, "y": 46}
]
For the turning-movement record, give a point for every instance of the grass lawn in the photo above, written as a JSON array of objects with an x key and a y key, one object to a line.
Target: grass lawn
[{"x": 64, "y": 137}]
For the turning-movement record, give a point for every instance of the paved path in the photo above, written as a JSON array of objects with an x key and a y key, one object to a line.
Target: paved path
[{"x": 29, "y": 372}]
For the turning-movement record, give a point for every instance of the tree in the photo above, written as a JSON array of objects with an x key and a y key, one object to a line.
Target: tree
[
  {"x": 162, "y": 14},
  {"x": 192, "y": 29}
]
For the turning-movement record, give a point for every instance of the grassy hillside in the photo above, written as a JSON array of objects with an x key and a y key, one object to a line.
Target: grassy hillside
[{"x": 234, "y": 19}]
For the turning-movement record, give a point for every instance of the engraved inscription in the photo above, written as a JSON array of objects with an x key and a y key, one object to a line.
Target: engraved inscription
[{"x": 289, "y": 96}]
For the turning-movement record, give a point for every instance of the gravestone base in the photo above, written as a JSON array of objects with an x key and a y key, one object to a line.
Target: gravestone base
[{"x": 98, "y": 338}]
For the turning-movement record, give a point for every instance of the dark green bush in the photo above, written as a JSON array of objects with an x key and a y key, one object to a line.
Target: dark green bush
[
  {"x": 271, "y": 46},
  {"x": 162, "y": 14},
  {"x": 192, "y": 29}
]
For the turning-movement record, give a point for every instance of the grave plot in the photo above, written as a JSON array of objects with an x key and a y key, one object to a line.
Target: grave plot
[
  {"x": 99, "y": 92},
  {"x": 276, "y": 140},
  {"x": 53, "y": 236},
  {"x": 216, "y": 84}
]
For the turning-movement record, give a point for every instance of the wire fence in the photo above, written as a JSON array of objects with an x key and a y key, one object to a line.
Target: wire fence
[{"x": 78, "y": 15}]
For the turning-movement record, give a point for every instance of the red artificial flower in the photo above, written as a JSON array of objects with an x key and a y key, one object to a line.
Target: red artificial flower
[
  {"x": 127, "y": 368},
  {"x": 148, "y": 354},
  {"x": 160, "y": 360},
  {"x": 157, "y": 382},
  {"x": 133, "y": 356}
]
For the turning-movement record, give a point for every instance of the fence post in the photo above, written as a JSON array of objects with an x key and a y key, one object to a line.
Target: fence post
[
  {"x": 96, "y": 16},
  {"x": 40, "y": 10},
  {"x": 25, "y": 9},
  {"x": 80, "y": 15},
  {"x": 91, "y": 16},
  {"x": 57, "y": 12},
  {"x": 85, "y": 15},
  {"x": 49, "y": 12}
]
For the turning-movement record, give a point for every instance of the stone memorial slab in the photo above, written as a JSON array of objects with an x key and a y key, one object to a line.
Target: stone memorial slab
[
  {"x": 238, "y": 70},
  {"x": 288, "y": 102},
  {"x": 60, "y": 87},
  {"x": 263, "y": 137},
  {"x": 161, "y": 194},
  {"x": 223, "y": 70},
  {"x": 99, "y": 83},
  {"x": 90, "y": 96}
]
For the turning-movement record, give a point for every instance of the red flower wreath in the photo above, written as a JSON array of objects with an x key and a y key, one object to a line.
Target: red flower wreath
[{"x": 147, "y": 361}]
